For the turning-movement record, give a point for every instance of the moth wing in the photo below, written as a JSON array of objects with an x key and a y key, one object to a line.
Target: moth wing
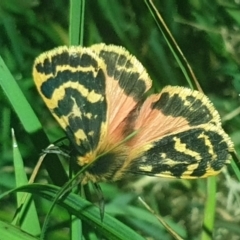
[
  {"x": 179, "y": 135},
  {"x": 126, "y": 83},
  {"x": 71, "y": 81}
]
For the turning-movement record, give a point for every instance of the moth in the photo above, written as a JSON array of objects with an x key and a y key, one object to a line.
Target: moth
[{"x": 99, "y": 97}]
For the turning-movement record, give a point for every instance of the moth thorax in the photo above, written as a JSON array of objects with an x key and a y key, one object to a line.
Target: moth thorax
[{"x": 105, "y": 166}]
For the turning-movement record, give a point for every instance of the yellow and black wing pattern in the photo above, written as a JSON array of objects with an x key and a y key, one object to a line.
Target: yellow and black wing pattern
[{"x": 97, "y": 95}]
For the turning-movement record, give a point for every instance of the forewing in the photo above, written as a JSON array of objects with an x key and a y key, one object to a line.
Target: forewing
[
  {"x": 71, "y": 81},
  {"x": 126, "y": 83}
]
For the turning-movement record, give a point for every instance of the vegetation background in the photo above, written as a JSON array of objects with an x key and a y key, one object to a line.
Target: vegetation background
[{"x": 208, "y": 32}]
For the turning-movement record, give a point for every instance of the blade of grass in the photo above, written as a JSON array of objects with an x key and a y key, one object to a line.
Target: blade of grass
[
  {"x": 179, "y": 56},
  {"x": 15, "y": 96},
  {"x": 9, "y": 231},
  {"x": 236, "y": 165},
  {"x": 209, "y": 210},
  {"x": 76, "y": 228},
  {"x": 76, "y": 22},
  {"x": 76, "y": 33},
  {"x": 10, "y": 26},
  {"x": 110, "y": 228},
  {"x": 27, "y": 217},
  {"x": 5, "y": 128},
  {"x": 161, "y": 220}
]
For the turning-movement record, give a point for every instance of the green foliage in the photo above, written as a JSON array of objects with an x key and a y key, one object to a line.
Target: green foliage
[{"x": 207, "y": 33}]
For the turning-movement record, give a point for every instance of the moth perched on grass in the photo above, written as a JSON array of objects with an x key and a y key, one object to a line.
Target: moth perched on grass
[{"x": 97, "y": 95}]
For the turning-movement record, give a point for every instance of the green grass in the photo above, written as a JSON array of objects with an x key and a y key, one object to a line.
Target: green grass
[{"x": 205, "y": 32}]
